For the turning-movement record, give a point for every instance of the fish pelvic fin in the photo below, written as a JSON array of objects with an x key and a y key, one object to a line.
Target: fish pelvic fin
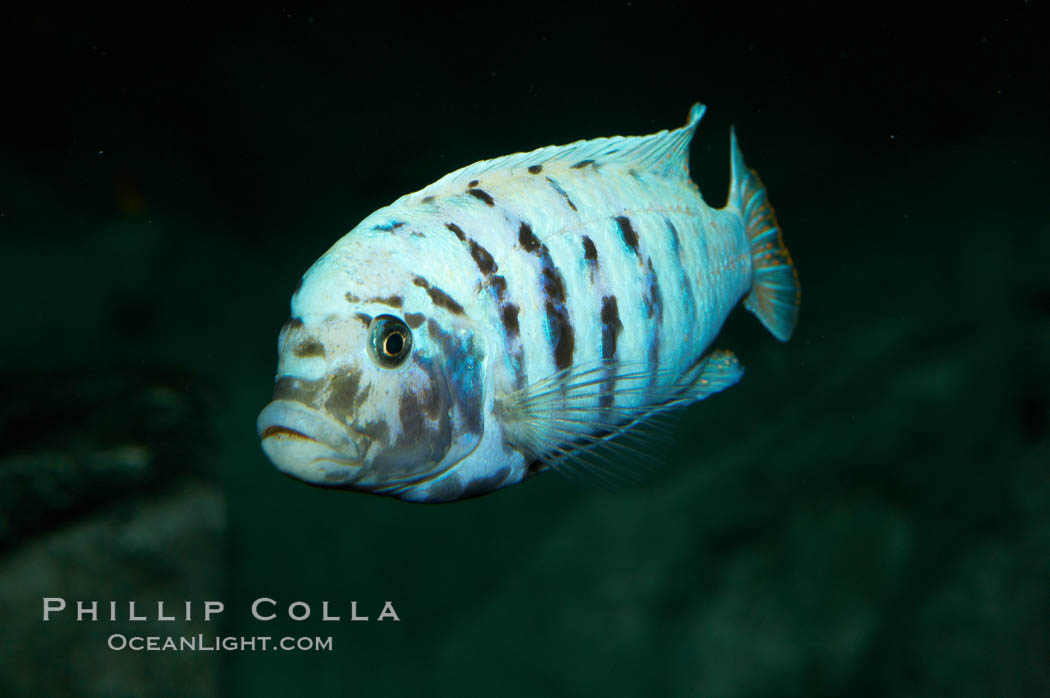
[{"x": 775, "y": 291}]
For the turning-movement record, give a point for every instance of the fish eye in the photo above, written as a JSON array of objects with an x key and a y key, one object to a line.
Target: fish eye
[{"x": 390, "y": 341}]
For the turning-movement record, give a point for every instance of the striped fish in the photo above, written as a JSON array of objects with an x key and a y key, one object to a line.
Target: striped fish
[{"x": 520, "y": 314}]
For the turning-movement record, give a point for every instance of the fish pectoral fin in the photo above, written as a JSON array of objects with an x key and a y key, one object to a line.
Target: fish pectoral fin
[
  {"x": 599, "y": 423},
  {"x": 577, "y": 401},
  {"x": 625, "y": 454}
]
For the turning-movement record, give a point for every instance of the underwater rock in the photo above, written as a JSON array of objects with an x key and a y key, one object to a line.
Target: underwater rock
[
  {"x": 77, "y": 440},
  {"x": 104, "y": 495},
  {"x": 166, "y": 546}
]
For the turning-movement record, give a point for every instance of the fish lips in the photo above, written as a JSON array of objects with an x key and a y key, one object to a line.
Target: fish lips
[{"x": 309, "y": 445}]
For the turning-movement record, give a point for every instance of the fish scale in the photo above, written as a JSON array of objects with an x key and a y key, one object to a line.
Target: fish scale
[{"x": 543, "y": 305}]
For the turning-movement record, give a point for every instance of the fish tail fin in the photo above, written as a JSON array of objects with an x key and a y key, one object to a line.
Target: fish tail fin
[{"x": 775, "y": 292}]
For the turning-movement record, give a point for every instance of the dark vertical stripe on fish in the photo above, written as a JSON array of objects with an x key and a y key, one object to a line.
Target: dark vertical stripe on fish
[
  {"x": 557, "y": 188},
  {"x": 509, "y": 316},
  {"x": 590, "y": 252},
  {"x": 483, "y": 259},
  {"x": 676, "y": 245},
  {"x": 559, "y": 326},
  {"x": 563, "y": 340},
  {"x": 497, "y": 287},
  {"x": 482, "y": 195},
  {"x": 630, "y": 238},
  {"x": 439, "y": 297},
  {"x": 528, "y": 241},
  {"x": 611, "y": 327},
  {"x": 457, "y": 231},
  {"x": 685, "y": 284},
  {"x": 654, "y": 303},
  {"x": 481, "y": 256}
]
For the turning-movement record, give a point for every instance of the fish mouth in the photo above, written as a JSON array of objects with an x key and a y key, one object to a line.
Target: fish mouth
[{"x": 308, "y": 444}]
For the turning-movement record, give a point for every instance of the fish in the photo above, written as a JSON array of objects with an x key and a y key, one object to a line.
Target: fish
[{"x": 526, "y": 313}]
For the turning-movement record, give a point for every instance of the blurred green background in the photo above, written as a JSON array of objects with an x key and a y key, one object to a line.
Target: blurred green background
[{"x": 866, "y": 514}]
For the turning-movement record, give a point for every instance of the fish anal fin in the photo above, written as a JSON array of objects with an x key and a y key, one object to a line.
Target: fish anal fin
[{"x": 718, "y": 370}]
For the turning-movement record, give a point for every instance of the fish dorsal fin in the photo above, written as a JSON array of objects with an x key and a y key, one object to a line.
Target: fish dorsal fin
[{"x": 665, "y": 153}]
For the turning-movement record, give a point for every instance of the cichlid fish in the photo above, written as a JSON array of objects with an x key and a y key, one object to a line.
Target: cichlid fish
[{"x": 520, "y": 314}]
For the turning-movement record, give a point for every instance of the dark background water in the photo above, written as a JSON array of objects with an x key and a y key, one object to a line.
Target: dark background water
[{"x": 865, "y": 514}]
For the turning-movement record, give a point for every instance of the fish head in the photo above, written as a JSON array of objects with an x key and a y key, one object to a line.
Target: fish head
[{"x": 371, "y": 394}]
